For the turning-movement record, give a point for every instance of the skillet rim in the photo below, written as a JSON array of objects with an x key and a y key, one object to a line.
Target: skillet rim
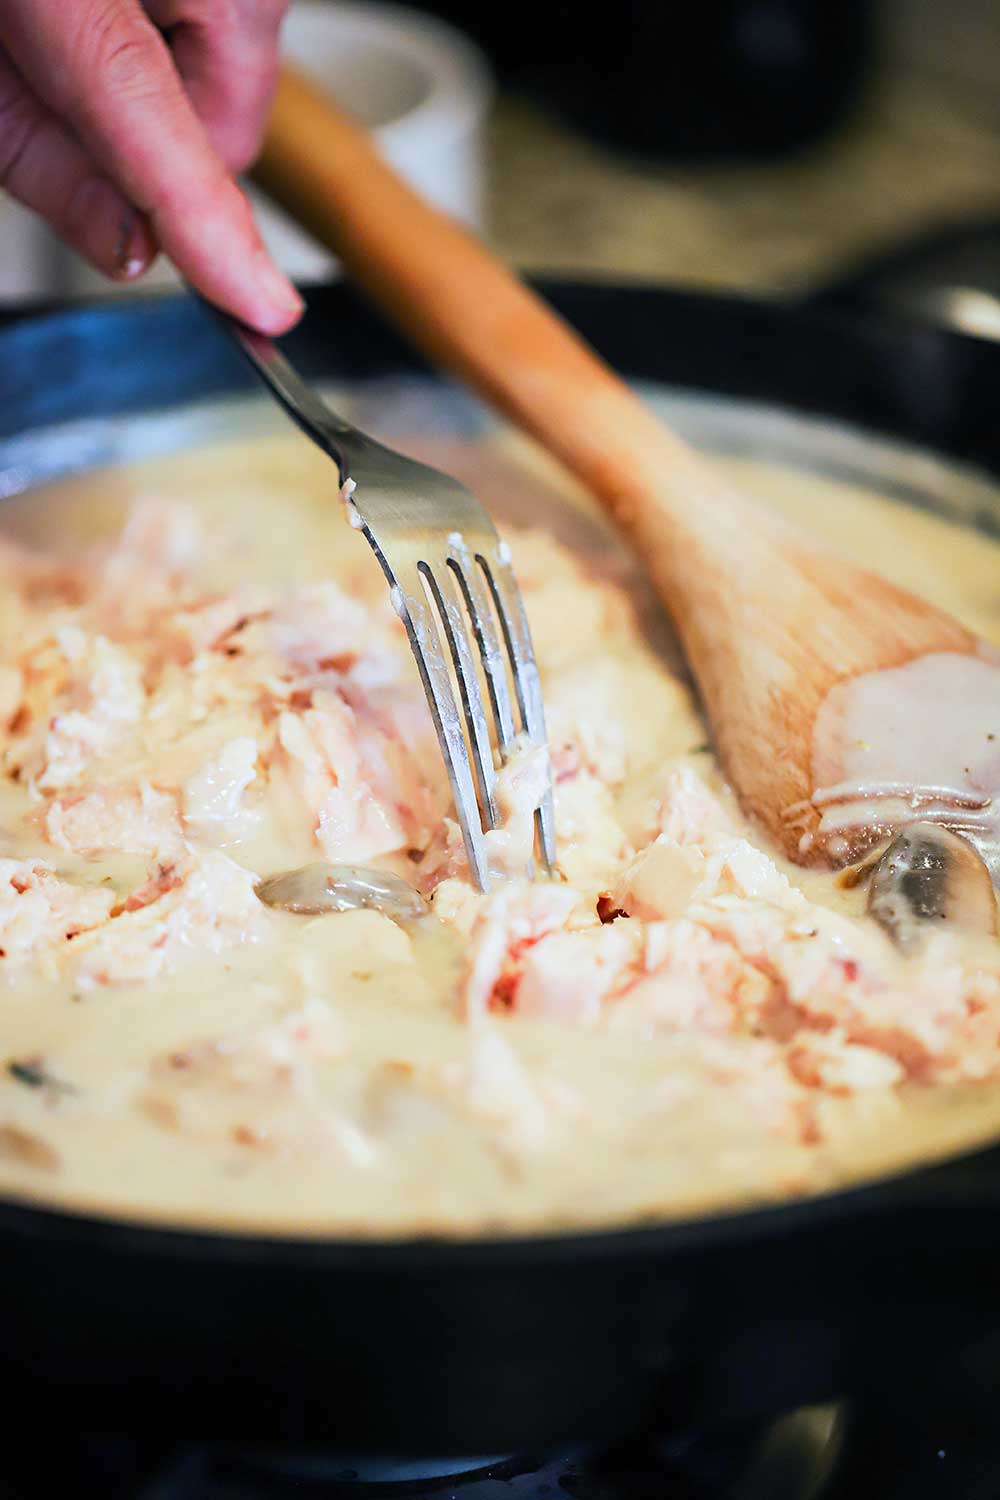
[{"x": 881, "y": 377}]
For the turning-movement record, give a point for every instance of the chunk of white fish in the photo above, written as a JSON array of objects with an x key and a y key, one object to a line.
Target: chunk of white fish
[{"x": 313, "y": 890}]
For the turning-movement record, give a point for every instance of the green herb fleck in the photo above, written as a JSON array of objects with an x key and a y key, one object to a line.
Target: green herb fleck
[{"x": 34, "y": 1075}]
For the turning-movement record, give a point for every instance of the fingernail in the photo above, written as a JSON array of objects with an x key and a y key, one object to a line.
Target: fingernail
[
  {"x": 135, "y": 247},
  {"x": 107, "y": 230}
]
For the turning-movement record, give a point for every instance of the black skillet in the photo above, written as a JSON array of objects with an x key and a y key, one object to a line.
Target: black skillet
[{"x": 481, "y": 1347}]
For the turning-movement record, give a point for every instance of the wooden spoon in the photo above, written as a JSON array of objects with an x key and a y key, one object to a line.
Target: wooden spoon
[{"x": 770, "y": 623}]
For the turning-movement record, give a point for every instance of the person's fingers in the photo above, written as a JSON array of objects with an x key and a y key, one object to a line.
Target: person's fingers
[
  {"x": 226, "y": 52},
  {"x": 102, "y": 66},
  {"x": 47, "y": 170}
]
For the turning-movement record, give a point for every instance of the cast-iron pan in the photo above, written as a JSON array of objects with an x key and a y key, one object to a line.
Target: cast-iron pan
[{"x": 481, "y": 1347}]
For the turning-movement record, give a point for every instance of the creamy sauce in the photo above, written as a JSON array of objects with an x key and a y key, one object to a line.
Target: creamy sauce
[{"x": 225, "y": 694}]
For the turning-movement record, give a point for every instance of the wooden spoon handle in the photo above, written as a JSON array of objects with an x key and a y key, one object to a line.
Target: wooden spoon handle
[{"x": 458, "y": 304}]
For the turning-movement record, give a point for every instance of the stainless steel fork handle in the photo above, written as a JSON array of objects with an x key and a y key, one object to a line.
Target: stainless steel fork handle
[
  {"x": 407, "y": 496},
  {"x": 346, "y": 444}
]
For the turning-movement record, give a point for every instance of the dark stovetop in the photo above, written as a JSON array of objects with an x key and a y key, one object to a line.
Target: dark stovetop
[{"x": 834, "y": 1452}]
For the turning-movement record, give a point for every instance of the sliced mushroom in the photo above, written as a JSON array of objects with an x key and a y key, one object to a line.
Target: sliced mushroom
[
  {"x": 316, "y": 889},
  {"x": 929, "y": 875}
]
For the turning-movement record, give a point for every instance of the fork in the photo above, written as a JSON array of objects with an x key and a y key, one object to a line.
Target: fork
[{"x": 447, "y": 569}]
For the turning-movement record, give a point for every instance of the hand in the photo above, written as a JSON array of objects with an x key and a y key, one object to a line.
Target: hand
[{"x": 126, "y": 139}]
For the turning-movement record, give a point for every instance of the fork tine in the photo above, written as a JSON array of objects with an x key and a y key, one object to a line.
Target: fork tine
[
  {"x": 414, "y": 610},
  {"x": 443, "y": 586},
  {"x": 477, "y": 601},
  {"x": 506, "y": 596}
]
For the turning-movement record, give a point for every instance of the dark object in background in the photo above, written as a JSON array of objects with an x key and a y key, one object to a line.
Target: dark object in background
[
  {"x": 949, "y": 276},
  {"x": 713, "y": 79}
]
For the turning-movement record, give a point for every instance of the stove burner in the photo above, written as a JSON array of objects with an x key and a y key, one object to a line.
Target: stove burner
[
  {"x": 914, "y": 1447},
  {"x": 363, "y": 1472},
  {"x": 789, "y": 1460}
]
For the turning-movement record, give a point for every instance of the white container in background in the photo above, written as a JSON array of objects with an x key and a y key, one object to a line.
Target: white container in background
[{"x": 418, "y": 84}]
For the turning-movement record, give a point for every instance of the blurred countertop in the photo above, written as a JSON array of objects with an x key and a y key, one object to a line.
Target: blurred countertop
[{"x": 922, "y": 149}]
